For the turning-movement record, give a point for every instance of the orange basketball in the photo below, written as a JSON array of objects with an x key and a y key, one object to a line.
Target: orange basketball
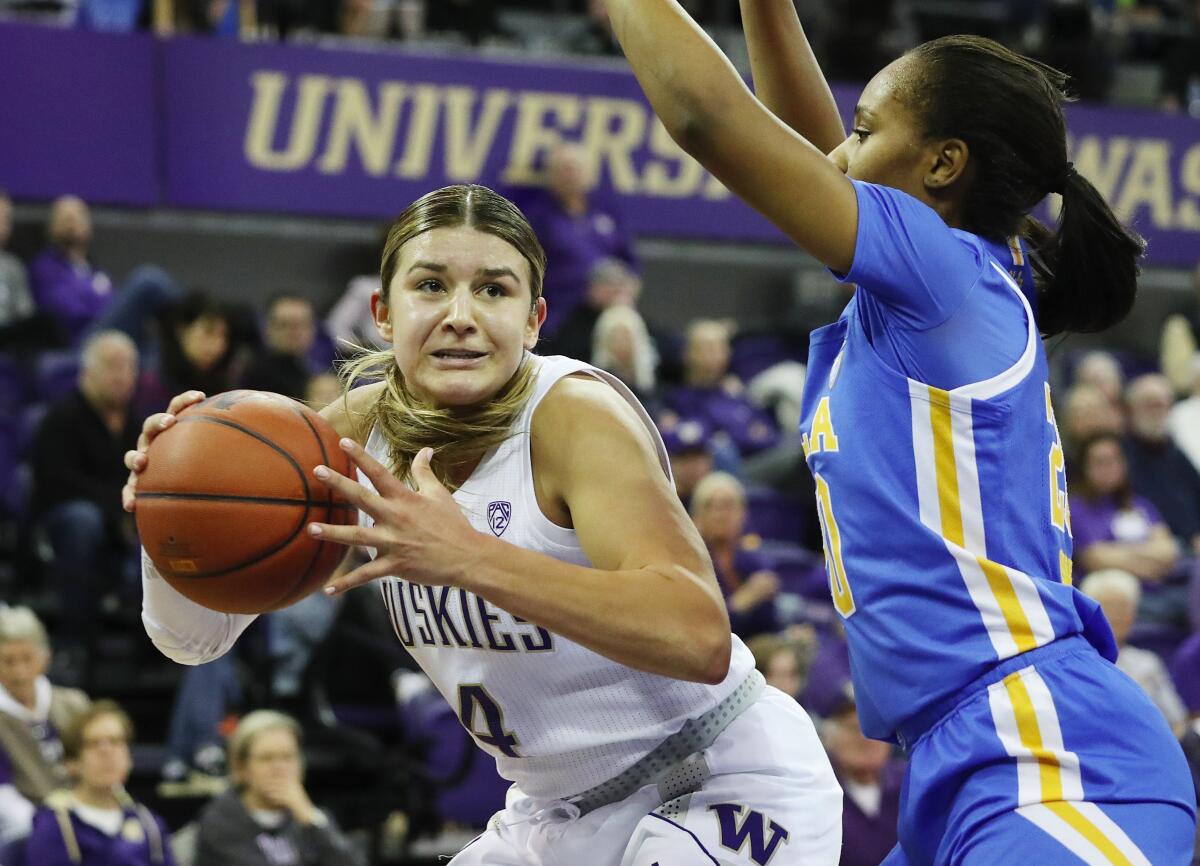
[{"x": 226, "y": 498}]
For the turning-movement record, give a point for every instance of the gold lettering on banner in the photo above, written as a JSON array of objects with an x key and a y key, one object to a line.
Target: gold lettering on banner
[
  {"x": 714, "y": 189},
  {"x": 1148, "y": 183},
  {"x": 1187, "y": 217},
  {"x": 372, "y": 132},
  {"x": 264, "y": 117},
  {"x": 467, "y": 148},
  {"x": 533, "y": 136},
  {"x": 422, "y": 126},
  {"x": 615, "y": 144},
  {"x": 657, "y": 180}
]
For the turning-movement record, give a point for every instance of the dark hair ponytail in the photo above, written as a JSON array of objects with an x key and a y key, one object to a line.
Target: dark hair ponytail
[{"x": 1087, "y": 269}]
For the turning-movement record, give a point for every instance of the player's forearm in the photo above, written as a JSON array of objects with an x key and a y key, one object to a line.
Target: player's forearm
[
  {"x": 182, "y": 630},
  {"x": 787, "y": 79},
  {"x": 663, "y": 620}
]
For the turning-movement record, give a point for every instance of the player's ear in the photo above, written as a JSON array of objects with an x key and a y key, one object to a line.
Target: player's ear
[
  {"x": 537, "y": 317},
  {"x": 947, "y": 163},
  {"x": 381, "y": 313}
]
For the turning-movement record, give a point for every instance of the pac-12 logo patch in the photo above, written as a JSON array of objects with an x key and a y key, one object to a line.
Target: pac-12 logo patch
[{"x": 499, "y": 514}]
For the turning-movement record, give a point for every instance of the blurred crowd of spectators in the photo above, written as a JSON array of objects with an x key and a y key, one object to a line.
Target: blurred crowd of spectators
[
  {"x": 1143, "y": 52},
  {"x": 85, "y": 356}
]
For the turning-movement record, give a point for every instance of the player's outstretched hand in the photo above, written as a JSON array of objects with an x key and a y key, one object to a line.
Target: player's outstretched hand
[
  {"x": 135, "y": 460},
  {"x": 419, "y": 534}
]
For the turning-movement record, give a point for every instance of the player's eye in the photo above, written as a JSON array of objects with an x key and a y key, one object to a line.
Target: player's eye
[{"x": 861, "y": 134}]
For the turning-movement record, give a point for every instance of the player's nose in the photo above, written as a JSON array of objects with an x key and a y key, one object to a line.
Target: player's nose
[{"x": 460, "y": 311}]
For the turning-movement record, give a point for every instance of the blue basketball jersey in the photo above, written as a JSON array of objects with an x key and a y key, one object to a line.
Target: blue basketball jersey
[{"x": 943, "y": 507}]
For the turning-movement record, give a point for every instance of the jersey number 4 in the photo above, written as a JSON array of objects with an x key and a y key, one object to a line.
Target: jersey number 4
[{"x": 475, "y": 705}]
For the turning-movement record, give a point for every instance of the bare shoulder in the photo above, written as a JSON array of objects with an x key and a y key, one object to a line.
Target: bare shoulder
[
  {"x": 581, "y": 410},
  {"x": 348, "y": 413},
  {"x": 581, "y": 398}
]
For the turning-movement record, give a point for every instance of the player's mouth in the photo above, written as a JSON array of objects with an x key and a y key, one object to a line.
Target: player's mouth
[{"x": 459, "y": 358}]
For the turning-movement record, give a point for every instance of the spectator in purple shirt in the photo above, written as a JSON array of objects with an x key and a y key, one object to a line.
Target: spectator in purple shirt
[
  {"x": 871, "y": 784},
  {"x": 719, "y": 511},
  {"x": 65, "y": 284},
  {"x": 576, "y": 231},
  {"x": 1114, "y": 527},
  {"x": 712, "y": 393},
  {"x": 96, "y": 823}
]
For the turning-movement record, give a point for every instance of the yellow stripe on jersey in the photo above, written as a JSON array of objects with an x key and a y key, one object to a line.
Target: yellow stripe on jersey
[
  {"x": 947, "y": 469},
  {"x": 1049, "y": 783},
  {"x": 1014, "y": 615},
  {"x": 950, "y": 504}
]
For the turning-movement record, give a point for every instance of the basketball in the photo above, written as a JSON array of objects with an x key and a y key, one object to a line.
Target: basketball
[{"x": 223, "y": 505}]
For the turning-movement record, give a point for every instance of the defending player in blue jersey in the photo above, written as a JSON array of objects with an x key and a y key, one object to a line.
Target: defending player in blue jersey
[{"x": 928, "y": 425}]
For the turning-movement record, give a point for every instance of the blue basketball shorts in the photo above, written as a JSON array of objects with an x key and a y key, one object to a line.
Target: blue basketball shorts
[{"x": 1061, "y": 761}]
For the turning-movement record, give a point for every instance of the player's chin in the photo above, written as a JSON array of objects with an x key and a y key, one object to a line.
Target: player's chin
[{"x": 462, "y": 388}]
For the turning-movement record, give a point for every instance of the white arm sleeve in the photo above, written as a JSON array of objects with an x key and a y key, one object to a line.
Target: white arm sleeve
[{"x": 182, "y": 630}]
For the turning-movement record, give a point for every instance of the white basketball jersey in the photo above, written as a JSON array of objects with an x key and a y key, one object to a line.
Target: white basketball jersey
[{"x": 558, "y": 718}]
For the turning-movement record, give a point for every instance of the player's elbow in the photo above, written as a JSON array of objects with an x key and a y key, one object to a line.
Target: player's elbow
[
  {"x": 178, "y": 651},
  {"x": 713, "y": 660},
  {"x": 712, "y": 646}
]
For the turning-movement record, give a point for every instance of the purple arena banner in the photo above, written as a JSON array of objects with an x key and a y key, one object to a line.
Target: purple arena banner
[
  {"x": 313, "y": 130},
  {"x": 77, "y": 115}
]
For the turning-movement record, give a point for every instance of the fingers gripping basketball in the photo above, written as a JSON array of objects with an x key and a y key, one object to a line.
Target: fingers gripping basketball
[{"x": 227, "y": 493}]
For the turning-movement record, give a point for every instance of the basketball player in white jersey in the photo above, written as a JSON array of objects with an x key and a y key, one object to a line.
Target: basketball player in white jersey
[{"x": 536, "y": 562}]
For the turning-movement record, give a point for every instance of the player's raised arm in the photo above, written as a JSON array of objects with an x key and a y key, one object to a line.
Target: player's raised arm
[
  {"x": 709, "y": 111},
  {"x": 787, "y": 79}
]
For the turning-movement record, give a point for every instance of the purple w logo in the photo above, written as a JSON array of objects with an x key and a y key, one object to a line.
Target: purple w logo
[
  {"x": 734, "y": 835},
  {"x": 499, "y": 513}
]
